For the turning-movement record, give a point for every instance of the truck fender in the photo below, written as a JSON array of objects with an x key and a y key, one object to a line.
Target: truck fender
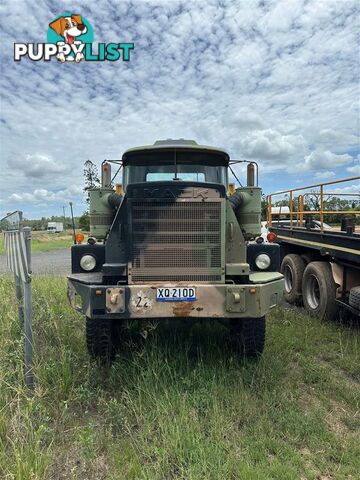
[
  {"x": 352, "y": 278},
  {"x": 337, "y": 273}
]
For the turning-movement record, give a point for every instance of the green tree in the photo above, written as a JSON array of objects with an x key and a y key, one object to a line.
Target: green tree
[
  {"x": 91, "y": 176},
  {"x": 84, "y": 222}
]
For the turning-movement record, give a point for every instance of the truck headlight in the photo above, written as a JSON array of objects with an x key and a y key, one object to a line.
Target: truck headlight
[
  {"x": 88, "y": 262},
  {"x": 262, "y": 261}
]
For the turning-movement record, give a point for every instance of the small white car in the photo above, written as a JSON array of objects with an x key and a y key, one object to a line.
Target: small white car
[{"x": 316, "y": 225}]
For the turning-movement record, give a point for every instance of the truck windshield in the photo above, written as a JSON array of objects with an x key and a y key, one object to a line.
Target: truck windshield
[{"x": 179, "y": 172}]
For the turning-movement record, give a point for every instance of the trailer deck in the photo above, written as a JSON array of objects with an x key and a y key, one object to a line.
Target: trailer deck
[
  {"x": 336, "y": 244},
  {"x": 320, "y": 264}
]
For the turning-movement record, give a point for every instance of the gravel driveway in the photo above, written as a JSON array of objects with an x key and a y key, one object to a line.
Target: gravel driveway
[{"x": 56, "y": 262}]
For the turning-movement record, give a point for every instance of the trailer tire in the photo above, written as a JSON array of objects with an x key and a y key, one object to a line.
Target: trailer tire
[
  {"x": 354, "y": 298},
  {"x": 319, "y": 291},
  {"x": 308, "y": 258},
  {"x": 292, "y": 267},
  {"x": 100, "y": 339},
  {"x": 248, "y": 336}
]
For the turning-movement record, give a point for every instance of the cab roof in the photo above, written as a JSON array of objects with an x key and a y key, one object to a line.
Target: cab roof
[{"x": 180, "y": 145}]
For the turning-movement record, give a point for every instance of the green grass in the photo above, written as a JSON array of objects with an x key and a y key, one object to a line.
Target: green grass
[
  {"x": 180, "y": 406},
  {"x": 44, "y": 242}
]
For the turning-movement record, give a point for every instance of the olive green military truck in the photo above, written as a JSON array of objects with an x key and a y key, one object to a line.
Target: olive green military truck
[{"x": 175, "y": 241}]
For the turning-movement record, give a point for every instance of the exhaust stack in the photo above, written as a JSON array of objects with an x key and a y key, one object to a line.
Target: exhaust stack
[
  {"x": 246, "y": 203},
  {"x": 251, "y": 175},
  {"x": 106, "y": 175},
  {"x": 104, "y": 201}
]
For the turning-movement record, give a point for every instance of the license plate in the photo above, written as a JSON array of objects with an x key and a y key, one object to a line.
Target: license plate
[{"x": 183, "y": 294}]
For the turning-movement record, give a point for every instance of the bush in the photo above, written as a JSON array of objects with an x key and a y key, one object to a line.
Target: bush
[{"x": 84, "y": 222}]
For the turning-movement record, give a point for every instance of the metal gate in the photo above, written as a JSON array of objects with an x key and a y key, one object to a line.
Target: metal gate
[{"x": 18, "y": 257}]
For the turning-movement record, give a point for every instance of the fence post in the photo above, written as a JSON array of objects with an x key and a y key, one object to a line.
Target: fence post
[{"x": 28, "y": 360}]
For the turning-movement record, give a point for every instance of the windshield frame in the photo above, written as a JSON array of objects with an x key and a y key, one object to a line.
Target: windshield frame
[
  {"x": 216, "y": 174},
  {"x": 176, "y": 158}
]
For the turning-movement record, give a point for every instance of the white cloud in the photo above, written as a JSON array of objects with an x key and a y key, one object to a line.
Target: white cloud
[
  {"x": 325, "y": 174},
  {"x": 323, "y": 159},
  {"x": 328, "y": 136},
  {"x": 41, "y": 195},
  {"x": 244, "y": 120},
  {"x": 355, "y": 169},
  {"x": 37, "y": 165},
  {"x": 271, "y": 144}
]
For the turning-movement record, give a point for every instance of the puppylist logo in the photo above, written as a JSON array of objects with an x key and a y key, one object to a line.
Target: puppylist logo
[{"x": 70, "y": 39}]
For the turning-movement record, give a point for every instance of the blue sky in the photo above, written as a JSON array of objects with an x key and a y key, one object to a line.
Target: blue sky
[{"x": 271, "y": 81}]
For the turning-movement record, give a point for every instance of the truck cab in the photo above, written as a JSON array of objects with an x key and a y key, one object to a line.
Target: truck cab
[{"x": 176, "y": 242}]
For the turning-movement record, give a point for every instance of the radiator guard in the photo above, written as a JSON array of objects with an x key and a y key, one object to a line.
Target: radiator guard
[{"x": 177, "y": 240}]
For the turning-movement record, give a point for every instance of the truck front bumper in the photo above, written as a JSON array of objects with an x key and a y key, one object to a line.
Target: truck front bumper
[{"x": 252, "y": 300}]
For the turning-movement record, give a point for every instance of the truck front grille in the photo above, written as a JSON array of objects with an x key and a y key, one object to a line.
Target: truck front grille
[{"x": 176, "y": 241}]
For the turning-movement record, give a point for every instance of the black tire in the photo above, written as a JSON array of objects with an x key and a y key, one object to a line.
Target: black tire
[
  {"x": 319, "y": 291},
  {"x": 292, "y": 267},
  {"x": 248, "y": 336},
  {"x": 100, "y": 339},
  {"x": 308, "y": 258},
  {"x": 354, "y": 298},
  {"x": 120, "y": 334}
]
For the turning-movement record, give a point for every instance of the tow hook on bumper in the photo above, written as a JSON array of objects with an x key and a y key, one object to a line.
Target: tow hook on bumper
[
  {"x": 235, "y": 299},
  {"x": 115, "y": 300}
]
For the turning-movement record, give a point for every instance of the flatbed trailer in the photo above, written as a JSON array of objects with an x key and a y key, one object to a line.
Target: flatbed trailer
[{"x": 321, "y": 266}]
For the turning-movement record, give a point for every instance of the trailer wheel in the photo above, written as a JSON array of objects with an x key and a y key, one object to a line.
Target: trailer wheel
[
  {"x": 100, "y": 339},
  {"x": 292, "y": 267},
  {"x": 248, "y": 336},
  {"x": 308, "y": 258},
  {"x": 354, "y": 298},
  {"x": 319, "y": 291}
]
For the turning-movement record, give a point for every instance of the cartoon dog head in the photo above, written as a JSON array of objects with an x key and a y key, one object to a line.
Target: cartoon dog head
[{"x": 69, "y": 27}]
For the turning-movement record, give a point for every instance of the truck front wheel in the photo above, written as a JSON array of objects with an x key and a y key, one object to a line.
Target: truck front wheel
[
  {"x": 292, "y": 267},
  {"x": 248, "y": 336},
  {"x": 319, "y": 291},
  {"x": 100, "y": 339}
]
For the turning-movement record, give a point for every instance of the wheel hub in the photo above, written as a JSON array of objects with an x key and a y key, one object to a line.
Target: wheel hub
[
  {"x": 313, "y": 292},
  {"x": 288, "y": 277}
]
